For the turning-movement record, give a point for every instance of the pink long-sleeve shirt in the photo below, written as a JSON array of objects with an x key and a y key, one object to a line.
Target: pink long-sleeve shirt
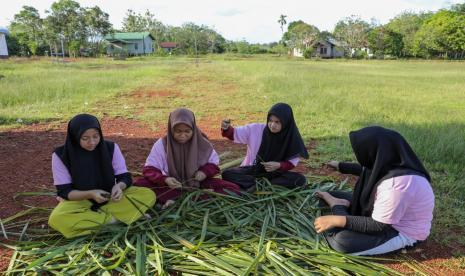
[
  {"x": 62, "y": 176},
  {"x": 251, "y": 135}
]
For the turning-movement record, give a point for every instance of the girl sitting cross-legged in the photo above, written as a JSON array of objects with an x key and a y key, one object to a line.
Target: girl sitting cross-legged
[
  {"x": 392, "y": 204},
  {"x": 92, "y": 180},
  {"x": 273, "y": 149},
  {"x": 181, "y": 161}
]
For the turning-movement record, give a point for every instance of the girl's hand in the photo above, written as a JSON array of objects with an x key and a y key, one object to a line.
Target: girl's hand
[
  {"x": 99, "y": 196},
  {"x": 200, "y": 176},
  {"x": 116, "y": 192},
  {"x": 173, "y": 183},
  {"x": 225, "y": 124},
  {"x": 60, "y": 199},
  {"x": 167, "y": 204},
  {"x": 324, "y": 223},
  {"x": 271, "y": 166},
  {"x": 333, "y": 164}
]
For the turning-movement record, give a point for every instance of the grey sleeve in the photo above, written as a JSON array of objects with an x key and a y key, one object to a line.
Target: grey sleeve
[{"x": 364, "y": 224}]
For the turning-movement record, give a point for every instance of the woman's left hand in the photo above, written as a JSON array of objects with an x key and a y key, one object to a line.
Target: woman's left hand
[
  {"x": 327, "y": 222},
  {"x": 271, "y": 166},
  {"x": 200, "y": 176},
  {"x": 117, "y": 191}
]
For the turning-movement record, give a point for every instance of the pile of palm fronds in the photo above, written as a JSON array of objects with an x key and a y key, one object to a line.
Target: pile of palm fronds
[{"x": 268, "y": 232}]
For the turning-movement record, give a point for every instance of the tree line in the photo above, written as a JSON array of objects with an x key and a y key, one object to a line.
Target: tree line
[
  {"x": 438, "y": 34},
  {"x": 75, "y": 30}
]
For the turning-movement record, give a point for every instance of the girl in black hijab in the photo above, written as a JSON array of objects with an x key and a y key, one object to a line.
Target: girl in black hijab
[
  {"x": 392, "y": 203},
  {"x": 273, "y": 149},
  {"x": 92, "y": 181}
]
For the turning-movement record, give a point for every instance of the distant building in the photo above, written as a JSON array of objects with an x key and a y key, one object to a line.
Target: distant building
[
  {"x": 132, "y": 44},
  {"x": 327, "y": 48},
  {"x": 3, "y": 46},
  {"x": 168, "y": 46}
]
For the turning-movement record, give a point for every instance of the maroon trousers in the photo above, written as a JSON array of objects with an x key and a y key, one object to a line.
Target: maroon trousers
[{"x": 165, "y": 193}]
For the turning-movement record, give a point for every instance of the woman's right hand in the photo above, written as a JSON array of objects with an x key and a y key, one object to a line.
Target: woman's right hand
[
  {"x": 225, "y": 124},
  {"x": 173, "y": 183},
  {"x": 333, "y": 164},
  {"x": 100, "y": 196}
]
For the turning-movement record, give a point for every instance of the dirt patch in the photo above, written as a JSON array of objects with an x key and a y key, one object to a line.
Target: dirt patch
[
  {"x": 25, "y": 166},
  {"x": 431, "y": 258},
  {"x": 151, "y": 94}
]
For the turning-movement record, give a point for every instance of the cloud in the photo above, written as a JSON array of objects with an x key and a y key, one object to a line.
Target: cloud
[{"x": 229, "y": 12}]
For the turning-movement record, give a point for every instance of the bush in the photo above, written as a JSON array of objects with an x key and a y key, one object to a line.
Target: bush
[
  {"x": 360, "y": 54},
  {"x": 308, "y": 53},
  {"x": 161, "y": 52}
]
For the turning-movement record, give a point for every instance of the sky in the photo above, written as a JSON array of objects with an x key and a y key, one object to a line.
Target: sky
[{"x": 256, "y": 21}]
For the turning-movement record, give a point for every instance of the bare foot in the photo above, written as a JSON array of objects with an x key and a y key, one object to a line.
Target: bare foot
[{"x": 331, "y": 200}]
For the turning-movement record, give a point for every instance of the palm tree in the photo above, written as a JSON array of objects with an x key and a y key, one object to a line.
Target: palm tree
[{"x": 282, "y": 21}]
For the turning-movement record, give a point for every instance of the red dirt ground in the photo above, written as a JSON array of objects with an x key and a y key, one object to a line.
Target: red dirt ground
[{"x": 25, "y": 166}]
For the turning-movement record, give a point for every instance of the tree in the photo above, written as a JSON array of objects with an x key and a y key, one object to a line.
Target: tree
[
  {"x": 458, "y": 8},
  {"x": 97, "y": 26},
  {"x": 353, "y": 31},
  {"x": 193, "y": 39},
  {"x": 145, "y": 23},
  {"x": 14, "y": 48},
  {"x": 442, "y": 35},
  {"x": 407, "y": 25},
  {"x": 133, "y": 22},
  {"x": 66, "y": 20},
  {"x": 27, "y": 28},
  {"x": 282, "y": 21},
  {"x": 301, "y": 35},
  {"x": 383, "y": 41}
]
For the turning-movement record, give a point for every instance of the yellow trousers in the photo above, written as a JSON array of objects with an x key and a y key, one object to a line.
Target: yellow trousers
[{"x": 75, "y": 218}]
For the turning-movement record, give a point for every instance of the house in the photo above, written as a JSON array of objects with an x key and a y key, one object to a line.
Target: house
[
  {"x": 168, "y": 46},
  {"x": 3, "y": 46},
  {"x": 297, "y": 52},
  {"x": 328, "y": 48},
  {"x": 132, "y": 44}
]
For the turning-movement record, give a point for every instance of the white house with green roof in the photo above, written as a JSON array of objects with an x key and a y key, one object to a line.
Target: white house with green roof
[{"x": 133, "y": 44}]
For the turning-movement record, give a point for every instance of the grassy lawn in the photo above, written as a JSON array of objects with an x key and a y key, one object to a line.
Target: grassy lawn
[{"x": 423, "y": 100}]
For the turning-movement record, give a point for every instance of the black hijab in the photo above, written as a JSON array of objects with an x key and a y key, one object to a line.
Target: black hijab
[
  {"x": 88, "y": 169},
  {"x": 383, "y": 154},
  {"x": 283, "y": 145}
]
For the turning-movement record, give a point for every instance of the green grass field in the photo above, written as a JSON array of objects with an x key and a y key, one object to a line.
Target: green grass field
[{"x": 423, "y": 100}]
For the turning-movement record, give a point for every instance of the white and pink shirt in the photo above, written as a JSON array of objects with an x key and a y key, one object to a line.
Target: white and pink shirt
[
  {"x": 251, "y": 135},
  {"x": 157, "y": 157},
  {"x": 62, "y": 176},
  {"x": 406, "y": 202}
]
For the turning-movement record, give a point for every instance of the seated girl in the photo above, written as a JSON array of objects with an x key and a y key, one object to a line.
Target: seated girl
[
  {"x": 392, "y": 204},
  {"x": 181, "y": 161},
  {"x": 273, "y": 149},
  {"x": 90, "y": 176}
]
